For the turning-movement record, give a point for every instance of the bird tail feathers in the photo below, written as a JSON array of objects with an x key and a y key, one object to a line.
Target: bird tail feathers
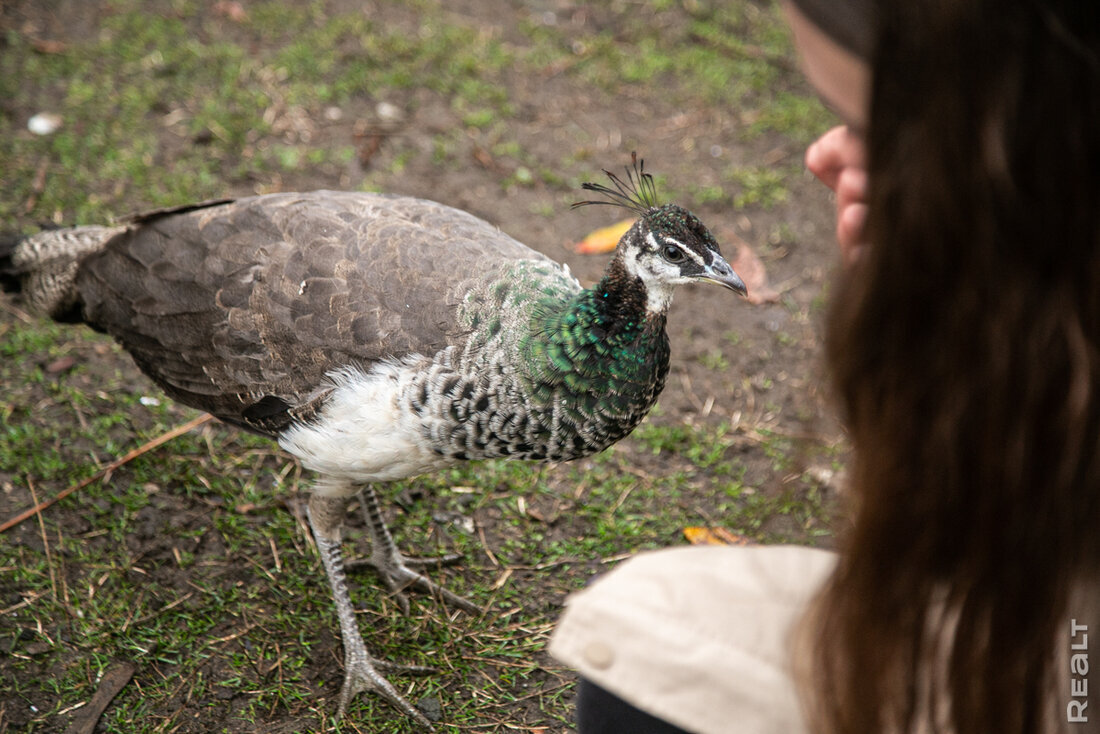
[
  {"x": 10, "y": 282},
  {"x": 42, "y": 268}
]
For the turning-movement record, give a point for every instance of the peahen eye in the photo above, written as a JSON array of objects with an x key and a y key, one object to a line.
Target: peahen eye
[{"x": 673, "y": 254}]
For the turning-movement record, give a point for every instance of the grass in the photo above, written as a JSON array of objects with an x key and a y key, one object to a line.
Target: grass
[
  {"x": 192, "y": 561},
  {"x": 222, "y": 103},
  {"x": 207, "y": 86}
]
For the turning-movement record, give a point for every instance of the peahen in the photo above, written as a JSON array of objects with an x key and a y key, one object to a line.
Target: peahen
[{"x": 378, "y": 337}]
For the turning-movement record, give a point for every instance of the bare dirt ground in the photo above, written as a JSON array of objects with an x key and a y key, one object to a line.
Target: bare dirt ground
[{"x": 750, "y": 372}]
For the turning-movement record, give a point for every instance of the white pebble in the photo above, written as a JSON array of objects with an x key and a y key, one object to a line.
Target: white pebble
[
  {"x": 389, "y": 112},
  {"x": 44, "y": 123}
]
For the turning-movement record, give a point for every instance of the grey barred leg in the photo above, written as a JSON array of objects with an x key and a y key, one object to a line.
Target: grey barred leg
[
  {"x": 360, "y": 672},
  {"x": 394, "y": 568}
]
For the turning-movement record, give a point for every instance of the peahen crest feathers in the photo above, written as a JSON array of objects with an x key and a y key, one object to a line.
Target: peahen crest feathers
[{"x": 638, "y": 192}]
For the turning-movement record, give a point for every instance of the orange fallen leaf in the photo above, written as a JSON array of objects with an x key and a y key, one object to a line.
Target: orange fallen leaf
[
  {"x": 62, "y": 364},
  {"x": 752, "y": 271},
  {"x": 232, "y": 10},
  {"x": 603, "y": 239},
  {"x": 49, "y": 46},
  {"x": 713, "y": 536}
]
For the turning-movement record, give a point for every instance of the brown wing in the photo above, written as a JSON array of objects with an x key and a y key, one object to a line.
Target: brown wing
[{"x": 241, "y": 308}]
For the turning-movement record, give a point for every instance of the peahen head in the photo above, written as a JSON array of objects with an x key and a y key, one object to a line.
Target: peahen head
[{"x": 668, "y": 245}]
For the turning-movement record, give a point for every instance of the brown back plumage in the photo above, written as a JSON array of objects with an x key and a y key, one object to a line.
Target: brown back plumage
[{"x": 228, "y": 302}]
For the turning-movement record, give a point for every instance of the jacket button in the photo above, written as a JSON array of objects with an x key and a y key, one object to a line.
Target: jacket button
[{"x": 599, "y": 655}]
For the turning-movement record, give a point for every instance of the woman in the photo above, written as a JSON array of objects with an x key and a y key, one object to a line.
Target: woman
[{"x": 964, "y": 347}]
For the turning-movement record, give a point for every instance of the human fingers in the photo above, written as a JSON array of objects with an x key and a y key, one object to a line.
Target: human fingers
[
  {"x": 850, "y": 223},
  {"x": 851, "y": 187},
  {"x": 851, "y": 212},
  {"x": 827, "y": 156}
]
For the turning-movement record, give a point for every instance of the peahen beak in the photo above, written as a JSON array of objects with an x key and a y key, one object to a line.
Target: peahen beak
[{"x": 720, "y": 273}]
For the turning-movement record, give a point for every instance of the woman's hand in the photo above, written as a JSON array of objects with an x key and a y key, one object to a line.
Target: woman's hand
[{"x": 838, "y": 160}]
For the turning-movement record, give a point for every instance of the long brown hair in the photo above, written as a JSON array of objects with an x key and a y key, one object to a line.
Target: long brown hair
[{"x": 965, "y": 351}]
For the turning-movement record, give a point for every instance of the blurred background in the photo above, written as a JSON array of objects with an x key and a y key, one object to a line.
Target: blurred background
[{"x": 190, "y": 562}]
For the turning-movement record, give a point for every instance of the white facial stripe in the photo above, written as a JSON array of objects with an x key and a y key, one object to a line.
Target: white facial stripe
[
  {"x": 684, "y": 248},
  {"x": 631, "y": 266}
]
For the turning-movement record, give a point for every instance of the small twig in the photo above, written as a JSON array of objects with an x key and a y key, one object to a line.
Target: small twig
[
  {"x": 622, "y": 497},
  {"x": 38, "y": 185},
  {"x": 79, "y": 415},
  {"x": 278, "y": 664},
  {"x": 616, "y": 558},
  {"x": 45, "y": 540},
  {"x": 275, "y": 555},
  {"x": 15, "y": 311},
  {"x": 159, "y": 440},
  {"x": 27, "y": 601},
  {"x": 133, "y": 611},
  {"x": 543, "y": 566},
  {"x": 113, "y": 681},
  {"x": 502, "y": 579},
  {"x": 240, "y": 633},
  {"x": 485, "y": 545},
  {"x": 260, "y": 568},
  {"x": 685, "y": 382},
  {"x": 165, "y": 608}
]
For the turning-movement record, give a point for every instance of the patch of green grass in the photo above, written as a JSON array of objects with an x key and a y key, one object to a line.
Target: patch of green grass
[
  {"x": 714, "y": 359},
  {"x": 705, "y": 447},
  {"x": 235, "y": 95},
  {"x": 226, "y": 104},
  {"x": 190, "y": 561},
  {"x": 44, "y": 339},
  {"x": 758, "y": 185},
  {"x": 796, "y": 513},
  {"x": 709, "y": 194},
  {"x": 737, "y": 56},
  {"x": 797, "y": 115},
  {"x": 187, "y": 563}
]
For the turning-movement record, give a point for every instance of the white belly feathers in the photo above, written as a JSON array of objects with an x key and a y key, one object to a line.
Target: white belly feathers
[{"x": 362, "y": 434}]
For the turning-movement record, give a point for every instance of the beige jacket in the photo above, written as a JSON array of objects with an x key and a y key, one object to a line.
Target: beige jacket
[{"x": 697, "y": 636}]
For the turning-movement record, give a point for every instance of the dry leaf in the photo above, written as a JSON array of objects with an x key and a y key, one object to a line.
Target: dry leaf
[
  {"x": 369, "y": 148},
  {"x": 603, "y": 239},
  {"x": 232, "y": 10},
  {"x": 751, "y": 269},
  {"x": 713, "y": 536},
  {"x": 485, "y": 159},
  {"x": 49, "y": 46},
  {"x": 61, "y": 364}
]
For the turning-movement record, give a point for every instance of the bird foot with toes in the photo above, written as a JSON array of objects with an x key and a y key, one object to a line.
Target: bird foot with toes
[{"x": 361, "y": 674}]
